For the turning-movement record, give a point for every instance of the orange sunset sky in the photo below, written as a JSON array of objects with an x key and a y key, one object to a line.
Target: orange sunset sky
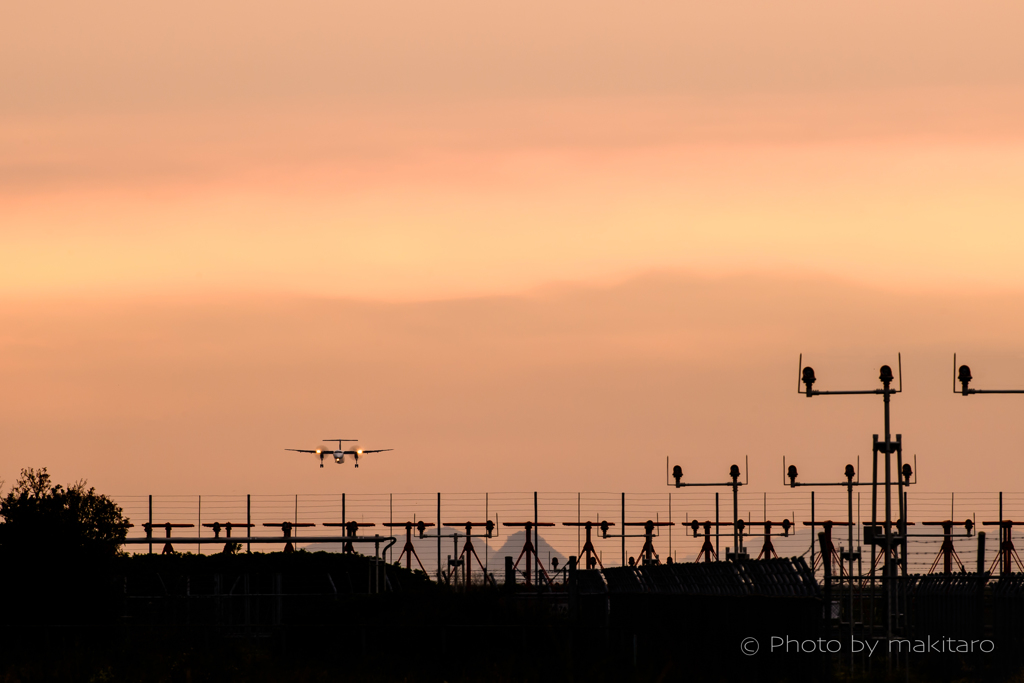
[{"x": 528, "y": 245}]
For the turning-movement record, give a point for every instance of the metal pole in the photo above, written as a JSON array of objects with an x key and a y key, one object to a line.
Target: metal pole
[
  {"x": 391, "y": 519},
  {"x": 906, "y": 513},
  {"x": 199, "y": 527},
  {"x": 874, "y": 527},
  {"x": 735, "y": 518},
  {"x": 248, "y": 529},
  {"x": 487, "y": 546},
  {"x": 536, "y": 539},
  {"x": 860, "y": 565},
  {"x": 825, "y": 540},
  {"x": 151, "y": 523},
  {"x": 812, "y": 531},
  {"x": 717, "y": 528},
  {"x": 1003, "y": 559},
  {"x": 902, "y": 585},
  {"x": 670, "y": 525},
  {"x": 439, "y": 537},
  {"x": 903, "y": 505},
  {"x": 623, "y": 529},
  {"x": 888, "y": 568},
  {"x": 849, "y": 573}
]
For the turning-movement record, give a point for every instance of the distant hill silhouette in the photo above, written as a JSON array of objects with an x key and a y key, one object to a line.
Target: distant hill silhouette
[{"x": 513, "y": 545}]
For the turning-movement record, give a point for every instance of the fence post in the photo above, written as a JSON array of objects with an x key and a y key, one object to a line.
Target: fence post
[
  {"x": 439, "y": 537},
  {"x": 718, "y": 529},
  {"x": 536, "y": 540}
]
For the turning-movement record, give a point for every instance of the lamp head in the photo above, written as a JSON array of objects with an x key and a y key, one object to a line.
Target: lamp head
[
  {"x": 677, "y": 474},
  {"x": 849, "y": 472},
  {"x": 695, "y": 525},
  {"x": 885, "y": 374},
  {"x": 734, "y": 472},
  {"x": 791, "y": 473},
  {"x": 964, "y": 375},
  {"x": 907, "y": 472},
  {"x": 808, "y": 378},
  {"x": 786, "y": 524}
]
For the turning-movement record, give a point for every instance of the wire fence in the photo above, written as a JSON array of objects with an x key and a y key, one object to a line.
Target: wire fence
[{"x": 678, "y": 506}]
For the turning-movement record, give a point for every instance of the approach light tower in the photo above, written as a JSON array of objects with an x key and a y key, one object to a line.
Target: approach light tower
[
  {"x": 888, "y": 447},
  {"x": 735, "y": 484}
]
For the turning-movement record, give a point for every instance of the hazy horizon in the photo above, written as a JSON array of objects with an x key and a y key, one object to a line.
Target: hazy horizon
[{"x": 564, "y": 388}]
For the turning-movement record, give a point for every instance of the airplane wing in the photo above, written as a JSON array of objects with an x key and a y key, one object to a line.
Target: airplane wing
[
  {"x": 302, "y": 450},
  {"x": 379, "y": 450}
]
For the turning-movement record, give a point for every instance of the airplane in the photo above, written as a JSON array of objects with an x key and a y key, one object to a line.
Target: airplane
[{"x": 339, "y": 455}]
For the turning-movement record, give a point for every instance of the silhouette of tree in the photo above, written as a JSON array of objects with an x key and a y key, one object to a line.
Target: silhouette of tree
[
  {"x": 57, "y": 546},
  {"x": 43, "y": 519}
]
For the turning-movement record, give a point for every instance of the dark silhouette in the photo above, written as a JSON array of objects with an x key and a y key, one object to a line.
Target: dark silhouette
[
  {"x": 43, "y": 519},
  {"x": 56, "y": 545}
]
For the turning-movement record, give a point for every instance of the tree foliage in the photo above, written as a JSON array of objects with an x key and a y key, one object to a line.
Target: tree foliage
[{"x": 44, "y": 519}]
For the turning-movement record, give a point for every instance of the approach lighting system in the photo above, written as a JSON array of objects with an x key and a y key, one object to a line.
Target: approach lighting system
[
  {"x": 963, "y": 375},
  {"x": 888, "y": 447}
]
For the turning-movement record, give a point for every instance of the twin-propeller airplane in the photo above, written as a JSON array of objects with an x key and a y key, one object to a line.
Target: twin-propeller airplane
[{"x": 340, "y": 453}]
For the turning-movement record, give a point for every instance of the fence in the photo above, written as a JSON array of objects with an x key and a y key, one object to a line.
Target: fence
[{"x": 677, "y": 506}]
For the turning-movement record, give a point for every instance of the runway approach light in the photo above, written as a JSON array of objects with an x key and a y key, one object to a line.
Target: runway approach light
[
  {"x": 965, "y": 377},
  {"x": 809, "y": 379}
]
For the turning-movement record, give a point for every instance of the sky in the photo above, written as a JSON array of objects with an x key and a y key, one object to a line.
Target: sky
[{"x": 542, "y": 245}]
